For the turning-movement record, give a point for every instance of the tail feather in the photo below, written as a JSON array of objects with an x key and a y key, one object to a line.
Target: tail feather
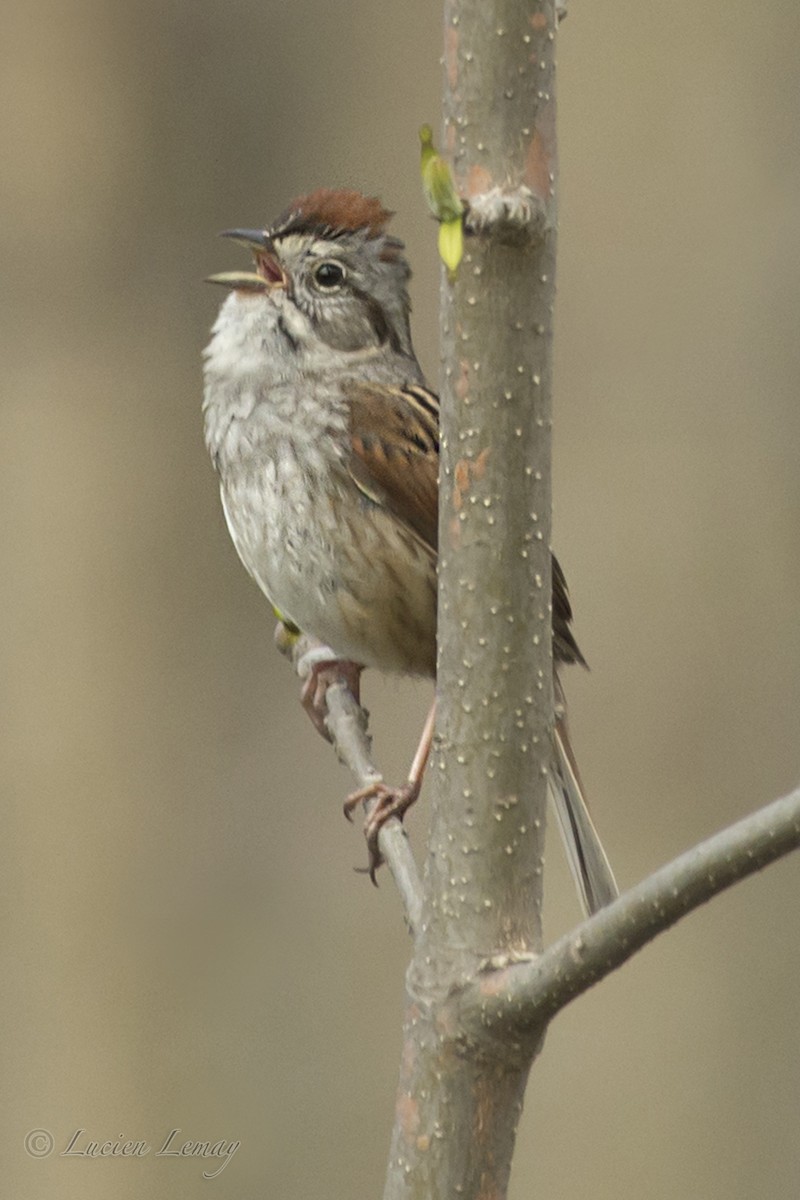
[{"x": 587, "y": 858}]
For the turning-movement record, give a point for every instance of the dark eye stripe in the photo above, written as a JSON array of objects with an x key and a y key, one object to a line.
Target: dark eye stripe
[{"x": 383, "y": 330}]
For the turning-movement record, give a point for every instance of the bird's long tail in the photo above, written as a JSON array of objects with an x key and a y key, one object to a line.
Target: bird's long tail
[{"x": 587, "y": 858}]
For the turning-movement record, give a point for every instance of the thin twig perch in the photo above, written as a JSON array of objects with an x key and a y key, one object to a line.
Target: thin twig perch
[{"x": 346, "y": 723}]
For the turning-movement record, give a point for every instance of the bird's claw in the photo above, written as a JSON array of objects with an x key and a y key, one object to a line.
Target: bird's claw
[
  {"x": 383, "y": 802},
  {"x": 314, "y": 693}
]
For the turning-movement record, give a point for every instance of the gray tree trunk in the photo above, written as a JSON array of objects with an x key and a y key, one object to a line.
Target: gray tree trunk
[
  {"x": 461, "y": 1091},
  {"x": 480, "y": 988}
]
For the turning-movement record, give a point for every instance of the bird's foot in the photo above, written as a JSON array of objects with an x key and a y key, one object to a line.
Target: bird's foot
[
  {"x": 387, "y": 802},
  {"x": 321, "y": 675}
]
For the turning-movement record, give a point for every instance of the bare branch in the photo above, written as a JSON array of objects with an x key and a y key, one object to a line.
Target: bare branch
[
  {"x": 457, "y": 1114},
  {"x": 346, "y": 724},
  {"x": 494, "y": 682},
  {"x": 512, "y": 998}
]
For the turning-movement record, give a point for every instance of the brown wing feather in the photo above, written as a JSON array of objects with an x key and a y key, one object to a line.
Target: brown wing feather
[
  {"x": 565, "y": 648},
  {"x": 394, "y": 436}
]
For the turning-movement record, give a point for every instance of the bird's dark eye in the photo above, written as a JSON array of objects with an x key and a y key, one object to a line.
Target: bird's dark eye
[{"x": 329, "y": 275}]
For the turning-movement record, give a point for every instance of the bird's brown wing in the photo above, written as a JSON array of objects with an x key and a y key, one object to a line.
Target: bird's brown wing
[
  {"x": 394, "y": 438},
  {"x": 565, "y": 648}
]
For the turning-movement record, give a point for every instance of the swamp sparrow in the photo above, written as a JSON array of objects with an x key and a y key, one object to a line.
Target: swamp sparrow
[{"x": 325, "y": 436}]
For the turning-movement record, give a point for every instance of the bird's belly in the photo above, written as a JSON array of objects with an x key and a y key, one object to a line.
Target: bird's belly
[{"x": 336, "y": 564}]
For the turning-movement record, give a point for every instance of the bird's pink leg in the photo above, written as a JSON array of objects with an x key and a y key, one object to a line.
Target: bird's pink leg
[{"x": 392, "y": 802}]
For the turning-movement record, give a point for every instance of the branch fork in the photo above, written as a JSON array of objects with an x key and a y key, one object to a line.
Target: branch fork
[{"x": 511, "y": 993}]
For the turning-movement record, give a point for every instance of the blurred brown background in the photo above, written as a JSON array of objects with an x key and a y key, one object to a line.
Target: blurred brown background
[{"x": 185, "y": 943}]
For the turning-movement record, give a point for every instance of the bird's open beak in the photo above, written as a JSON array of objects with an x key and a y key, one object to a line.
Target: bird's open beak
[
  {"x": 269, "y": 274},
  {"x": 254, "y": 239},
  {"x": 247, "y": 281}
]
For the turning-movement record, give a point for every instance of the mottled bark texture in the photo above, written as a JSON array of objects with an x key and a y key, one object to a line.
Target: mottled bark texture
[
  {"x": 460, "y": 1092},
  {"x": 480, "y": 989}
]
